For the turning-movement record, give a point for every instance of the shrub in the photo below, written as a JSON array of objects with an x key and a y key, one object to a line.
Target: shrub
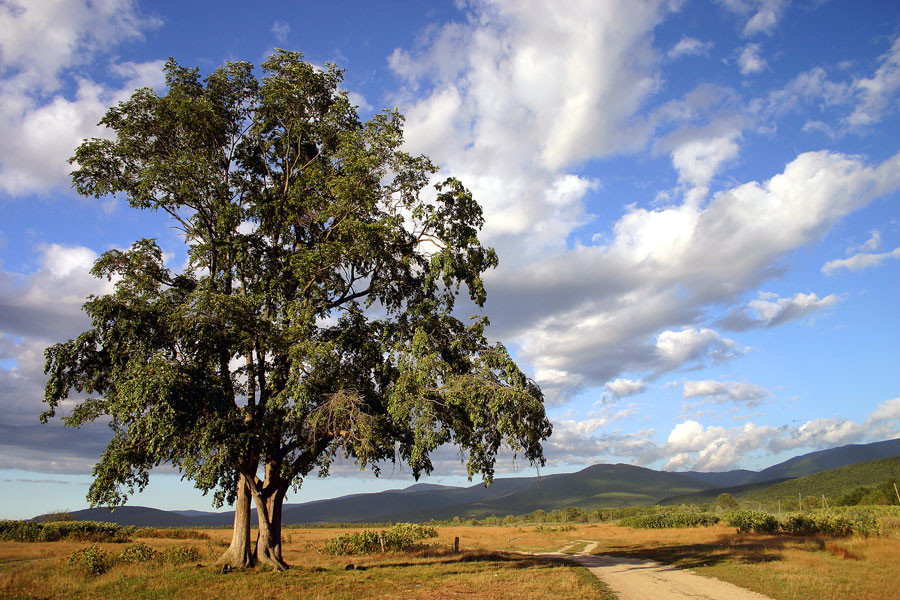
[
  {"x": 170, "y": 533},
  {"x": 91, "y": 559},
  {"x": 20, "y": 531},
  {"x": 753, "y": 520},
  {"x": 83, "y": 531},
  {"x": 832, "y": 523},
  {"x": 552, "y": 529},
  {"x": 137, "y": 553},
  {"x": 402, "y": 538},
  {"x": 667, "y": 520}
]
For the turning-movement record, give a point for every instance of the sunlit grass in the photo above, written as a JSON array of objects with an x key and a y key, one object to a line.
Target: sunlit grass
[{"x": 38, "y": 570}]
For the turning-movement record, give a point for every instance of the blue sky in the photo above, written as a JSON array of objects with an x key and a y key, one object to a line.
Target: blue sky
[{"x": 695, "y": 205}]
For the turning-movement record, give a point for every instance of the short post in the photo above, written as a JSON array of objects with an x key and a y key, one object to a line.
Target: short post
[{"x": 456, "y": 544}]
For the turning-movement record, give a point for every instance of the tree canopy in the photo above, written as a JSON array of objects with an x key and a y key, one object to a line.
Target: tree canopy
[{"x": 315, "y": 316}]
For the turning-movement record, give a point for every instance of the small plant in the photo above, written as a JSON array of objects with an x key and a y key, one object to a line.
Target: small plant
[
  {"x": 753, "y": 520},
  {"x": 137, "y": 553},
  {"x": 402, "y": 538},
  {"x": 552, "y": 529},
  {"x": 91, "y": 559},
  {"x": 668, "y": 520}
]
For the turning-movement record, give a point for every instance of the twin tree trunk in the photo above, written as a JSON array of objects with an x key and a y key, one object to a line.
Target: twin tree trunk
[{"x": 268, "y": 538}]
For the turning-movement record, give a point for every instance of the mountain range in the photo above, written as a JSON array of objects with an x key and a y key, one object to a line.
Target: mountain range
[{"x": 597, "y": 486}]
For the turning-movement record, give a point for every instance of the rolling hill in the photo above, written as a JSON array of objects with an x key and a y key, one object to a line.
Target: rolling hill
[{"x": 597, "y": 486}]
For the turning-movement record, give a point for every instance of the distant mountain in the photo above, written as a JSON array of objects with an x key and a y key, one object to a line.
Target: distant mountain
[
  {"x": 824, "y": 460},
  {"x": 598, "y": 486}
]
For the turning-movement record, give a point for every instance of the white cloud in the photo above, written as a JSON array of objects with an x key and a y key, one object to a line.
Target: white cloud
[
  {"x": 631, "y": 304},
  {"x": 766, "y": 16},
  {"x": 877, "y": 94},
  {"x": 625, "y": 387},
  {"x": 477, "y": 101},
  {"x": 689, "y": 46},
  {"x": 280, "y": 30},
  {"x": 750, "y": 394},
  {"x": 769, "y": 310},
  {"x": 40, "y": 125},
  {"x": 750, "y": 60},
  {"x": 677, "y": 348},
  {"x": 763, "y": 15},
  {"x": 859, "y": 262},
  {"x": 873, "y": 243},
  {"x": 46, "y": 304}
]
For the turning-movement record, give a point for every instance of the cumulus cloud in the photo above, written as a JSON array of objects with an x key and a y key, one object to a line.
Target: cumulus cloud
[
  {"x": 750, "y": 61},
  {"x": 742, "y": 392},
  {"x": 714, "y": 448},
  {"x": 625, "y": 387},
  {"x": 585, "y": 316},
  {"x": 689, "y": 46},
  {"x": 40, "y": 124},
  {"x": 859, "y": 262},
  {"x": 46, "y": 304},
  {"x": 476, "y": 99},
  {"x": 770, "y": 310}
]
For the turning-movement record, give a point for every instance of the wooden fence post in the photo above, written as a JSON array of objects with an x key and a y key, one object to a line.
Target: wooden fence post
[{"x": 456, "y": 544}]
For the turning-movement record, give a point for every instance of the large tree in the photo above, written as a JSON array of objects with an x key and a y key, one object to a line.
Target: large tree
[{"x": 314, "y": 317}]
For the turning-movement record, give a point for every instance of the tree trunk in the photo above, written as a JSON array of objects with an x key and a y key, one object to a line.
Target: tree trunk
[
  {"x": 268, "y": 546},
  {"x": 238, "y": 555}
]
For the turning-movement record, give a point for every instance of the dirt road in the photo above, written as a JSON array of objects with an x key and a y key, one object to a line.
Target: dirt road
[{"x": 635, "y": 579}]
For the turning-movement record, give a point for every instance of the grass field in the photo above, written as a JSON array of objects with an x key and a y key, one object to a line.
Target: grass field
[
  {"x": 39, "y": 570},
  {"x": 782, "y": 567}
]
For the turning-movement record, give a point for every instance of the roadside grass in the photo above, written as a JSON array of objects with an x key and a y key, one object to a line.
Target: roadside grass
[
  {"x": 782, "y": 567},
  {"x": 38, "y": 570}
]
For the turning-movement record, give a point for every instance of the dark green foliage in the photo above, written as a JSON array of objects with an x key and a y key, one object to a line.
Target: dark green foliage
[
  {"x": 670, "y": 519},
  {"x": 402, "y": 538},
  {"x": 170, "y": 533},
  {"x": 92, "y": 560},
  {"x": 82, "y": 531},
  {"x": 834, "y": 484},
  {"x": 20, "y": 531},
  {"x": 727, "y": 501},
  {"x": 137, "y": 553},
  {"x": 754, "y": 521},
  {"x": 825, "y": 522}
]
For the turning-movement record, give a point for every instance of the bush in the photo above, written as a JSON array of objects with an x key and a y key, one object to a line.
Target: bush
[
  {"x": 91, "y": 559},
  {"x": 753, "y": 520},
  {"x": 552, "y": 529},
  {"x": 402, "y": 538},
  {"x": 832, "y": 523},
  {"x": 19, "y": 531},
  {"x": 137, "y": 553},
  {"x": 172, "y": 534},
  {"x": 667, "y": 520},
  {"x": 82, "y": 531}
]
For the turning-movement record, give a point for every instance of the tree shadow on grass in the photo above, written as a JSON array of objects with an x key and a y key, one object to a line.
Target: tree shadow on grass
[
  {"x": 514, "y": 560},
  {"x": 726, "y": 549}
]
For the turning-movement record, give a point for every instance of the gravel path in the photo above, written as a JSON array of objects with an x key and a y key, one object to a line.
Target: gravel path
[{"x": 636, "y": 579}]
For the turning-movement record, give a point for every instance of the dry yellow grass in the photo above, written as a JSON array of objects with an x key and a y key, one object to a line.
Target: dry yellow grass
[
  {"x": 38, "y": 570},
  {"x": 782, "y": 567}
]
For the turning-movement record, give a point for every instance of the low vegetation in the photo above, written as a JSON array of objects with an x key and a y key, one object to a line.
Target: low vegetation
[
  {"x": 673, "y": 519},
  {"x": 404, "y": 537}
]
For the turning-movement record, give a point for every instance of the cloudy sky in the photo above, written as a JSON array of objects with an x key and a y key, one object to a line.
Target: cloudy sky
[{"x": 695, "y": 205}]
